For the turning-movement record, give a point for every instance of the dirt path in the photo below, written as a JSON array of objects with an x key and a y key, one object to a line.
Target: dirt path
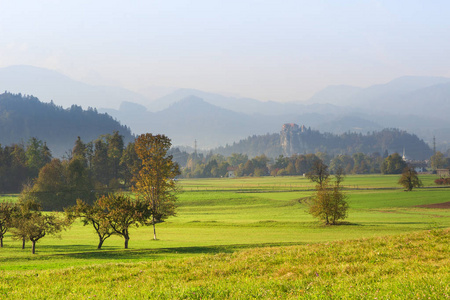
[{"x": 437, "y": 205}]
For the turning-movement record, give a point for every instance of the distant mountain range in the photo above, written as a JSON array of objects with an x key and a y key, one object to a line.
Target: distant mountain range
[
  {"x": 50, "y": 85},
  {"x": 416, "y": 104}
]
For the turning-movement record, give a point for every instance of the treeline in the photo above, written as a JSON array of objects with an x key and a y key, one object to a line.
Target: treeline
[
  {"x": 94, "y": 168},
  {"x": 20, "y": 164},
  {"x": 23, "y": 117},
  {"x": 216, "y": 165}
]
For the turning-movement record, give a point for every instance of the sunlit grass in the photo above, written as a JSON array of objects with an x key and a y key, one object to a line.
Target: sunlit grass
[
  {"x": 215, "y": 247},
  {"x": 411, "y": 266}
]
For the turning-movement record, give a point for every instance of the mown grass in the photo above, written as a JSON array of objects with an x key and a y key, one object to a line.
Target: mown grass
[
  {"x": 409, "y": 266},
  {"x": 220, "y": 220}
]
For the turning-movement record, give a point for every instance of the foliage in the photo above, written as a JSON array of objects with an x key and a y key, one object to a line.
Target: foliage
[
  {"x": 61, "y": 183},
  {"x": 121, "y": 212},
  {"x": 30, "y": 223},
  {"x": 329, "y": 203},
  {"x": 19, "y": 164},
  {"x": 94, "y": 215},
  {"x": 409, "y": 179},
  {"x": 318, "y": 172},
  {"x": 442, "y": 181},
  {"x": 393, "y": 164},
  {"x": 439, "y": 161},
  {"x": 155, "y": 182},
  {"x": 7, "y": 210}
]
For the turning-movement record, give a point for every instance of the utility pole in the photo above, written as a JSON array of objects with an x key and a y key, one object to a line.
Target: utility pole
[
  {"x": 434, "y": 144},
  {"x": 195, "y": 148}
]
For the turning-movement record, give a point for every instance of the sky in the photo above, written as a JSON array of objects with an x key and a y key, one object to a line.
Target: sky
[{"x": 268, "y": 50}]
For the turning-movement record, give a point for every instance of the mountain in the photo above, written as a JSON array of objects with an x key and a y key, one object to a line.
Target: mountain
[
  {"x": 24, "y": 117},
  {"x": 404, "y": 95},
  {"x": 242, "y": 105},
  {"x": 334, "y": 94},
  {"x": 50, "y": 85},
  {"x": 192, "y": 119}
]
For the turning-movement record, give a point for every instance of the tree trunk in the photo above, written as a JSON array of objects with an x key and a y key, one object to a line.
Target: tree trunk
[
  {"x": 23, "y": 243},
  {"x": 33, "y": 247},
  {"x": 1, "y": 242},
  {"x": 126, "y": 242},
  {"x": 100, "y": 243},
  {"x": 154, "y": 229}
]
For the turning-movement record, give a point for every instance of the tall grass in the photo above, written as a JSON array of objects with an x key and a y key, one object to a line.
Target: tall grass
[{"x": 410, "y": 266}]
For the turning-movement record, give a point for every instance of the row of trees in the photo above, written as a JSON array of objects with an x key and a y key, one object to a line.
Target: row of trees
[
  {"x": 61, "y": 183},
  {"x": 216, "y": 165}
]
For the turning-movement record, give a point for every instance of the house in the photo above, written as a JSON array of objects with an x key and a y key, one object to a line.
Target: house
[{"x": 443, "y": 172}]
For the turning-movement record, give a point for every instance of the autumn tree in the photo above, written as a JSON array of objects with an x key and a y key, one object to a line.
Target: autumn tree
[
  {"x": 122, "y": 212},
  {"x": 329, "y": 202},
  {"x": 6, "y": 212},
  {"x": 409, "y": 179},
  {"x": 155, "y": 182}
]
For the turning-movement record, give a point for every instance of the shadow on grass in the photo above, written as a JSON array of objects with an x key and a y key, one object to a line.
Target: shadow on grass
[{"x": 152, "y": 254}]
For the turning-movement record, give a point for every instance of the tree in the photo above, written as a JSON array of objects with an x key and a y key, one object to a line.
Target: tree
[
  {"x": 409, "y": 179},
  {"x": 122, "y": 212},
  {"x": 130, "y": 164},
  {"x": 6, "y": 212},
  {"x": 155, "y": 182},
  {"x": 438, "y": 161},
  {"x": 318, "y": 172},
  {"x": 329, "y": 202},
  {"x": 38, "y": 155},
  {"x": 393, "y": 164},
  {"x": 30, "y": 223},
  {"x": 94, "y": 215}
]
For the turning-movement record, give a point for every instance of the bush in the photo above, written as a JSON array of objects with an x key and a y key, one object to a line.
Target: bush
[{"x": 442, "y": 181}]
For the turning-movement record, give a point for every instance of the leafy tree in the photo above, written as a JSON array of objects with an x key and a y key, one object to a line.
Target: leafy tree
[
  {"x": 155, "y": 182},
  {"x": 94, "y": 215},
  {"x": 393, "y": 164},
  {"x": 438, "y": 161},
  {"x": 30, "y": 223},
  {"x": 329, "y": 203},
  {"x": 319, "y": 172},
  {"x": 99, "y": 162},
  {"x": 61, "y": 183},
  {"x": 409, "y": 179},
  {"x": 115, "y": 150},
  {"x": 236, "y": 159},
  {"x": 6, "y": 212},
  {"x": 122, "y": 212},
  {"x": 129, "y": 164},
  {"x": 80, "y": 150},
  {"x": 38, "y": 155}
]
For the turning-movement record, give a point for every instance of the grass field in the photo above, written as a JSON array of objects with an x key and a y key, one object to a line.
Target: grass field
[{"x": 223, "y": 221}]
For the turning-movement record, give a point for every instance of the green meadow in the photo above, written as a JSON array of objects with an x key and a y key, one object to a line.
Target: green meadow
[{"x": 248, "y": 238}]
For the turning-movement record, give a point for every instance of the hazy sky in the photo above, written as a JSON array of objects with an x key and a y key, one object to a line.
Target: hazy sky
[{"x": 269, "y": 50}]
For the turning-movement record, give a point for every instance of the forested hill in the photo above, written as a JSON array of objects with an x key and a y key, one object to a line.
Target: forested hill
[
  {"x": 294, "y": 139},
  {"x": 23, "y": 117}
]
